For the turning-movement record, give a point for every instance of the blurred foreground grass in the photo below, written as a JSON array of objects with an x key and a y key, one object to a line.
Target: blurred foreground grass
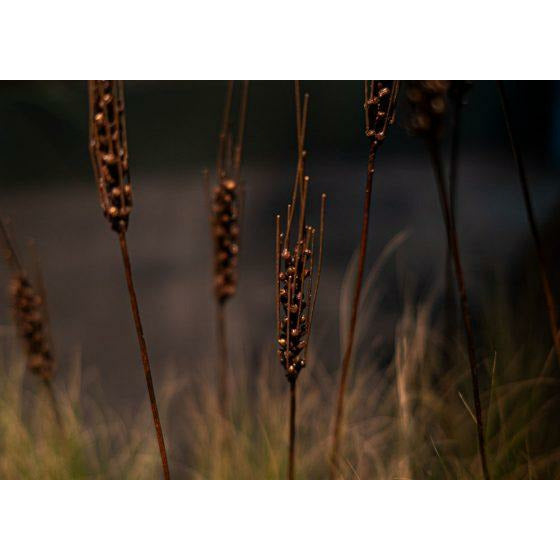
[{"x": 407, "y": 417}]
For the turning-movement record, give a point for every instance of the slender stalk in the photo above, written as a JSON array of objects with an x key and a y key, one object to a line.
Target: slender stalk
[
  {"x": 450, "y": 315},
  {"x": 292, "y": 446},
  {"x": 143, "y": 352},
  {"x": 319, "y": 264},
  {"x": 222, "y": 141},
  {"x": 221, "y": 337},
  {"x": 459, "y": 277},
  {"x": 454, "y": 157},
  {"x": 515, "y": 149},
  {"x": 379, "y": 111},
  {"x": 353, "y": 320}
]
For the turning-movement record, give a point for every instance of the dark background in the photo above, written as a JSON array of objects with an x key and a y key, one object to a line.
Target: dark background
[
  {"x": 172, "y": 125},
  {"x": 47, "y": 189}
]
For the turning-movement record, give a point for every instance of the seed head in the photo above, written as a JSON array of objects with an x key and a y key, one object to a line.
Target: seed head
[
  {"x": 31, "y": 324},
  {"x": 225, "y": 200},
  {"x": 224, "y": 221},
  {"x": 379, "y": 107},
  {"x": 296, "y": 286},
  {"x": 29, "y": 311},
  {"x": 109, "y": 151},
  {"x": 428, "y": 101}
]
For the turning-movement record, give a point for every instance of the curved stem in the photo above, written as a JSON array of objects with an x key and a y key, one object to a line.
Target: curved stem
[
  {"x": 223, "y": 377},
  {"x": 550, "y": 302},
  {"x": 339, "y": 414},
  {"x": 292, "y": 444},
  {"x": 450, "y": 315},
  {"x": 459, "y": 277},
  {"x": 143, "y": 352}
]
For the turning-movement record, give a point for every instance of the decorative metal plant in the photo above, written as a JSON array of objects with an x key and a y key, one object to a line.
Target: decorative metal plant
[
  {"x": 380, "y": 99},
  {"x": 298, "y": 272},
  {"x": 225, "y": 210},
  {"x": 109, "y": 156}
]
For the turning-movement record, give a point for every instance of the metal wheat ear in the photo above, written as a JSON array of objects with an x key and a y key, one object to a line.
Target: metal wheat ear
[
  {"x": 109, "y": 156},
  {"x": 297, "y": 276}
]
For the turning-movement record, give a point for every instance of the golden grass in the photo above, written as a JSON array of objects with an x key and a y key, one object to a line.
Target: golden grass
[
  {"x": 33, "y": 447},
  {"x": 406, "y": 418}
]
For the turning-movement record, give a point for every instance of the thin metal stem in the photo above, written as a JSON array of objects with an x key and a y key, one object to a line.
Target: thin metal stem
[
  {"x": 514, "y": 144},
  {"x": 319, "y": 267},
  {"x": 221, "y": 160},
  {"x": 277, "y": 272},
  {"x": 454, "y": 248},
  {"x": 223, "y": 373},
  {"x": 240, "y": 131},
  {"x": 11, "y": 254},
  {"x": 292, "y": 444},
  {"x": 143, "y": 352},
  {"x": 450, "y": 314},
  {"x": 355, "y": 306},
  {"x": 301, "y": 126}
]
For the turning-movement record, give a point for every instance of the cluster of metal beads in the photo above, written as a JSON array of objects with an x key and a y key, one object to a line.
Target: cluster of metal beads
[
  {"x": 31, "y": 324},
  {"x": 111, "y": 153},
  {"x": 293, "y": 325},
  {"x": 378, "y": 107},
  {"x": 225, "y": 229},
  {"x": 428, "y": 100}
]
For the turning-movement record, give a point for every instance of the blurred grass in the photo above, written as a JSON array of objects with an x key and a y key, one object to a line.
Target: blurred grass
[
  {"x": 32, "y": 446},
  {"x": 408, "y": 417}
]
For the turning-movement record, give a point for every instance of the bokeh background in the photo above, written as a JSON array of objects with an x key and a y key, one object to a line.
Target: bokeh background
[{"x": 48, "y": 192}]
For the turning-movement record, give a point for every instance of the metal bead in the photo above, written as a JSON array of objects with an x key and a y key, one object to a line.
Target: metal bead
[{"x": 229, "y": 184}]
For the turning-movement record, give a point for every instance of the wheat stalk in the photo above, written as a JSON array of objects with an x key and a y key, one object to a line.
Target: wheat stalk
[
  {"x": 225, "y": 209},
  {"x": 541, "y": 259},
  {"x": 458, "y": 90},
  {"x": 428, "y": 106},
  {"x": 297, "y": 278},
  {"x": 109, "y": 154},
  {"x": 31, "y": 319},
  {"x": 379, "y": 106}
]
